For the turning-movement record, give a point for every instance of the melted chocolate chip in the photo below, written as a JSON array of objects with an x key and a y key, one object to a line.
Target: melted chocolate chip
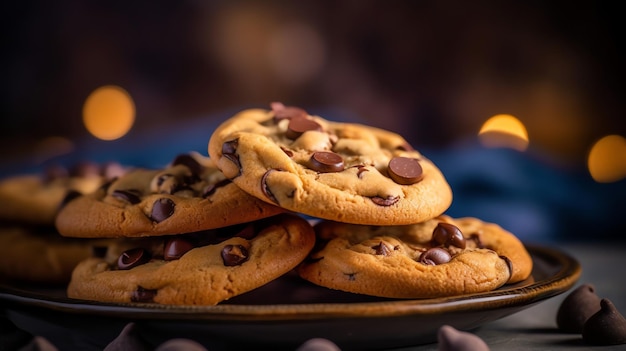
[
  {"x": 576, "y": 308},
  {"x": 605, "y": 327},
  {"x": 447, "y": 234},
  {"x": 234, "y": 255},
  {"x": 405, "y": 170},
  {"x": 176, "y": 247},
  {"x": 297, "y": 127},
  {"x": 143, "y": 295},
  {"x": 266, "y": 189},
  {"x": 131, "y": 196},
  {"x": 360, "y": 170},
  {"x": 509, "y": 264},
  {"x": 185, "y": 159},
  {"x": 434, "y": 256},
  {"x": 326, "y": 162},
  {"x": 287, "y": 152},
  {"x": 382, "y": 249},
  {"x": 69, "y": 196},
  {"x": 162, "y": 209},
  {"x": 229, "y": 151},
  {"x": 283, "y": 112},
  {"x": 210, "y": 189},
  {"x": 388, "y": 201},
  {"x": 133, "y": 258}
]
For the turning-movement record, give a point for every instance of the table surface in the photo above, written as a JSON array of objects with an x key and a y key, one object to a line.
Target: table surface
[{"x": 535, "y": 327}]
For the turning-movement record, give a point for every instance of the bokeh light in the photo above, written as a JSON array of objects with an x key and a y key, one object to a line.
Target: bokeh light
[
  {"x": 607, "y": 159},
  {"x": 504, "y": 131},
  {"x": 109, "y": 112}
]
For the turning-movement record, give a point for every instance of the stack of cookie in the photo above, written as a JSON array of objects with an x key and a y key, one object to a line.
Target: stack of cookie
[
  {"x": 31, "y": 249},
  {"x": 345, "y": 206}
]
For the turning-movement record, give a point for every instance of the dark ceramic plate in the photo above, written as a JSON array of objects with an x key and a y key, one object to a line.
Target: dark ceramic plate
[{"x": 285, "y": 313}]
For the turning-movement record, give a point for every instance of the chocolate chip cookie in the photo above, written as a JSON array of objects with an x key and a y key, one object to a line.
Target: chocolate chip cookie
[
  {"x": 197, "y": 268},
  {"x": 188, "y": 195},
  {"x": 34, "y": 199},
  {"x": 338, "y": 171},
  {"x": 40, "y": 255},
  {"x": 439, "y": 257}
]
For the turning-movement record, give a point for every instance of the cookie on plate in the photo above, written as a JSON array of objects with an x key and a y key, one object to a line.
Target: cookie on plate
[
  {"x": 40, "y": 255},
  {"x": 195, "y": 269},
  {"x": 436, "y": 258},
  {"x": 35, "y": 198},
  {"x": 188, "y": 195},
  {"x": 338, "y": 171}
]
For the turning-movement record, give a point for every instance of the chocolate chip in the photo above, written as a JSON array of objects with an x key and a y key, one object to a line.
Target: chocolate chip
[
  {"x": 576, "y": 308},
  {"x": 447, "y": 234},
  {"x": 360, "y": 170},
  {"x": 175, "y": 248},
  {"x": 162, "y": 209},
  {"x": 405, "y": 170},
  {"x": 605, "y": 327},
  {"x": 287, "y": 152},
  {"x": 69, "y": 196},
  {"x": 210, "y": 189},
  {"x": 283, "y": 112},
  {"x": 131, "y": 196},
  {"x": 382, "y": 249},
  {"x": 388, "y": 201},
  {"x": 265, "y": 189},
  {"x": 185, "y": 159},
  {"x": 234, "y": 255},
  {"x": 133, "y": 258},
  {"x": 451, "y": 339},
  {"x": 326, "y": 162},
  {"x": 229, "y": 151},
  {"x": 435, "y": 256},
  {"x": 99, "y": 251},
  {"x": 143, "y": 295},
  {"x": 297, "y": 127}
]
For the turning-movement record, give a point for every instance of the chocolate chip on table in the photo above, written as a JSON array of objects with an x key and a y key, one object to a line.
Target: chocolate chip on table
[
  {"x": 297, "y": 127},
  {"x": 326, "y": 162},
  {"x": 385, "y": 201},
  {"x": 234, "y": 255},
  {"x": 131, "y": 196},
  {"x": 229, "y": 151},
  {"x": 162, "y": 209},
  {"x": 447, "y": 234},
  {"x": 133, "y": 258},
  {"x": 451, "y": 339},
  {"x": 175, "y": 248},
  {"x": 405, "y": 170},
  {"x": 435, "y": 256},
  {"x": 143, "y": 295},
  {"x": 605, "y": 327},
  {"x": 576, "y": 308}
]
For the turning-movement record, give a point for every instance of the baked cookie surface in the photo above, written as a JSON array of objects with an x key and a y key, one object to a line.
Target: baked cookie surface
[
  {"x": 437, "y": 258},
  {"x": 35, "y": 198},
  {"x": 188, "y": 195},
  {"x": 41, "y": 255},
  {"x": 195, "y": 269},
  {"x": 338, "y": 171}
]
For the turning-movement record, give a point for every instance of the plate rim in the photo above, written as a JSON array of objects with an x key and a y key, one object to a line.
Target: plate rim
[{"x": 568, "y": 274}]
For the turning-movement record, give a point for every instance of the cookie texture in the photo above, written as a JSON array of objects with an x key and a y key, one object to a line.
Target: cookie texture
[
  {"x": 196, "y": 269},
  {"x": 41, "y": 255},
  {"x": 188, "y": 195},
  {"x": 436, "y": 258},
  {"x": 337, "y": 171},
  {"x": 35, "y": 198}
]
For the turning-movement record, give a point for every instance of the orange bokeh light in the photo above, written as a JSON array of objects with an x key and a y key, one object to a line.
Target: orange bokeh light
[
  {"x": 607, "y": 159},
  {"x": 504, "y": 131},
  {"x": 109, "y": 112}
]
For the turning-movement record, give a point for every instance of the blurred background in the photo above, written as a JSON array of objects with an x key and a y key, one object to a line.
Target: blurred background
[{"x": 140, "y": 81}]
